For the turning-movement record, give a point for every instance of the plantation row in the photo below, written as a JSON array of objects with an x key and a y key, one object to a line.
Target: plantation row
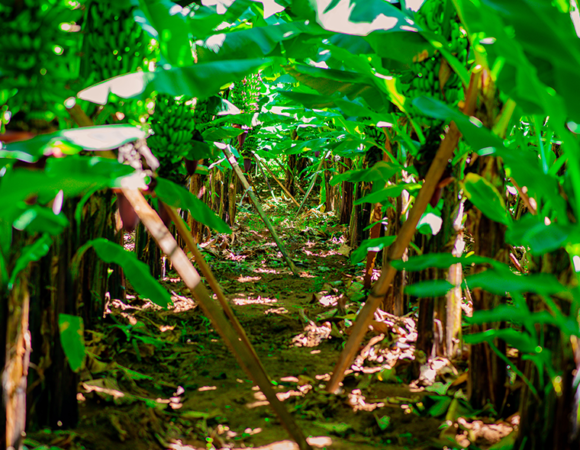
[{"x": 443, "y": 135}]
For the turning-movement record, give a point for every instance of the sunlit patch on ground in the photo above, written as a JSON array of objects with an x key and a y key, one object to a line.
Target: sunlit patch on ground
[
  {"x": 242, "y": 300},
  {"x": 243, "y": 279},
  {"x": 263, "y": 270},
  {"x": 276, "y": 311},
  {"x": 207, "y": 388}
]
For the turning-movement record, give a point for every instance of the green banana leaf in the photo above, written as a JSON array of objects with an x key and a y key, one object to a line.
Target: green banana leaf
[
  {"x": 199, "y": 80},
  {"x": 178, "y": 197},
  {"x": 136, "y": 271},
  {"x": 72, "y": 338},
  {"x": 72, "y": 141},
  {"x": 369, "y": 245}
]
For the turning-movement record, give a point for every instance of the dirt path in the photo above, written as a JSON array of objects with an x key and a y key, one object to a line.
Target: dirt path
[{"x": 164, "y": 379}]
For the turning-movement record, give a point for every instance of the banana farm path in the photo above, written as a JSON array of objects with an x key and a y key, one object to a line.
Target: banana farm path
[{"x": 163, "y": 379}]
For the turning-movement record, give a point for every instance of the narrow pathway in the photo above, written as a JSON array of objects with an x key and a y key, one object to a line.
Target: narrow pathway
[{"x": 164, "y": 379}]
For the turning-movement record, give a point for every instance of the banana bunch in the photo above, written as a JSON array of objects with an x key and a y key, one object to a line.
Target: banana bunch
[
  {"x": 173, "y": 125},
  {"x": 246, "y": 93},
  {"x": 202, "y": 115},
  {"x": 433, "y": 76},
  {"x": 376, "y": 134},
  {"x": 39, "y": 44},
  {"x": 114, "y": 42},
  {"x": 252, "y": 141}
]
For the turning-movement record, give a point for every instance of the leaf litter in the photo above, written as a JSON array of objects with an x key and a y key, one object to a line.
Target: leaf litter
[{"x": 157, "y": 378}]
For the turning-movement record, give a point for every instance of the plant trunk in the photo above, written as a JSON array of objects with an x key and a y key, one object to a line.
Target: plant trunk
[
  {"x": 290, "y": 170},
  {"x": 329, "y": 189},
  {"x": 487, "y": 372},
  {"x": 147, "y": 251},
  {"x": 396, "y": 301},
  {"x": 550, "y": 419},
  {"x": 52, "y": 399},
  {"x": 16, "y": 362},
  {"x": 197, "y": 188},
  {"x": 372, "y": 256},
  {"x": 347, "y": 195}
]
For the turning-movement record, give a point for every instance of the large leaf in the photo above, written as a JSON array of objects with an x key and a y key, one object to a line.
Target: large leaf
[
  {"x": 207, "y": 19},
  {"x": 430, "y": 288},
  {"x": 73, "y": 175},
  {"x": 40, "y": 219},
  {"x": 360, "y": 18},
  {"x": 486, "y": 198},
  {"x": 28, "y": 254},
  {"x": 371, "y": 245},
  {"x": 347, "y": 107},
  {"x": 72, "y": 339},
  {"x": 516, "y": 339},
  {"x": 537, "y": 235},
  {"x": 178, "y": 197},
  {"x": 441, "y": 261},
  {"x": 501, "y": 281},
  {"x": 199, "y": 80},
  {"x": 471, "y": 128},
  {"x": 538, "y": 49},
  {"x": 170, "y": 22},
  {"x": 526, "y": 170},
  {"x": 219, "y": 133},
  {"x": 524, "y": 164},
  {"x": 346, "y": 83},
  {"x": 386, "y": 194},
  {"x": 105, "y": 137},
  {"x": 254, "y": 42},
  {"x": 136, "y": 271},
  {"x": 381, "y": 171}
]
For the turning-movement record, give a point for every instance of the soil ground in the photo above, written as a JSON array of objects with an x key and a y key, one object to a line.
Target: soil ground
[{"x": 163, "y": 379}]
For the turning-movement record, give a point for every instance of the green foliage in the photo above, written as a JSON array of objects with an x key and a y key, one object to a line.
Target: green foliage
[
  {"x": 72, "y": 339},
  {"x": 485, "y": 196},
  {"x": 136, "y": 271},
  {"x": 173, "y": 125},
  {"x": 368, "y": 245},
  {"x": 200, "y": 80},
  {"x": 178, "y": 197},
  {"x": 114, "y": 43},
  {"x": 70, "y": 142},
  {"x": 38, "y": 59}
]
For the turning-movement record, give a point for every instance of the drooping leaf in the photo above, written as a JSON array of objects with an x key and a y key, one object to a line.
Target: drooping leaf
[
  {"x": 501, "y": 281},
  {"x": 440, "y": 406},
  {"x": 28, "y": 254},
  {"x": 429, "y": 288},
  {"x": 533, "y": 232},
  {"x": 486, "y": 198},
  {"x": 105, "y": 137},
  {"x": 429, "y": 223},
  {"x": 219, "y": 106},
  {"x": 72, "y": 339},
  {"x": 371, "y": 245},
  {"x": 381, "y": 171},
  {"x": 537, "y": 63},
  {"x": 40, "y": 219},
  {"x": 254, "y": 42},
  {"x": 199, "y": 80},
  {"x": 178, "y": 197},
  {"x": 385, "y": 194},
  {"x": 516, "y": 339},
  {"x": 73, "y": 175},
  {"x": 442, "y": 261},
  {"x": 137, "y": 272},
  {"x": 170, "y": 23},
  {"x": 219, "y": 133},
  {"x": 348, "y": 84}
]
